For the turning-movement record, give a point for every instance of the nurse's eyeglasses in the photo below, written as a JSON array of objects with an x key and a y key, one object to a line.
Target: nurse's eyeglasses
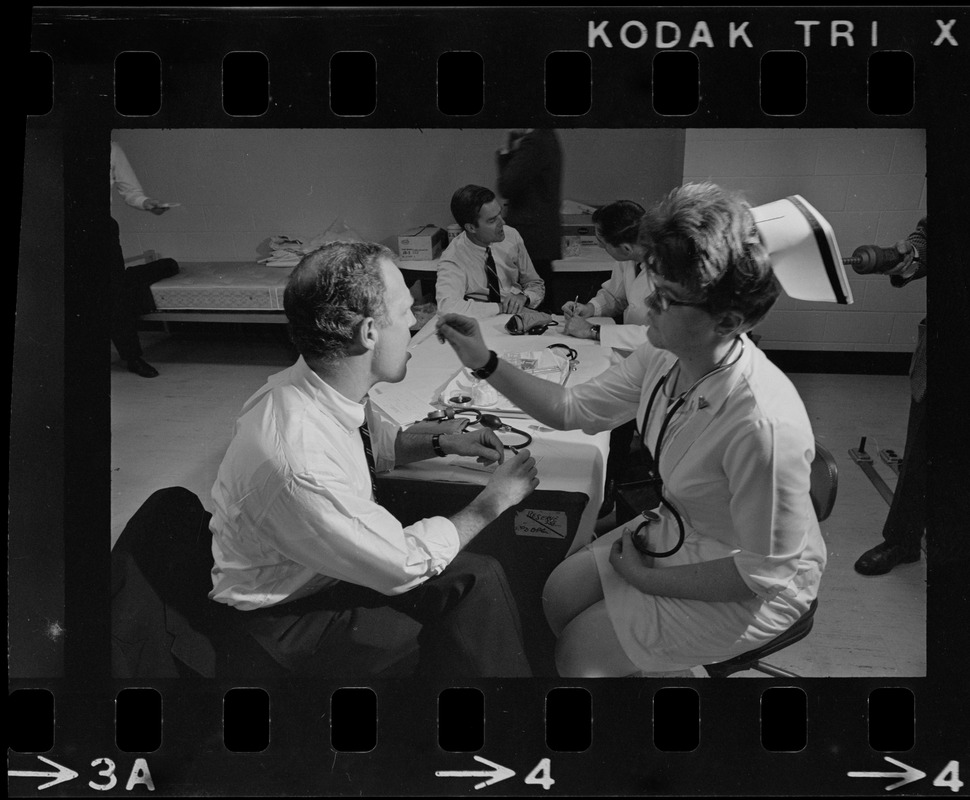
[{"x": 660, "y": 301}]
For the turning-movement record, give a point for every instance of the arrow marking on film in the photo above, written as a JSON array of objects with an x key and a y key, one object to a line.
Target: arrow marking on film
[
  {"x": 909, "y": 774},
  {"x": 495, "y": 774},
  {"x": 62, "y": 774}
]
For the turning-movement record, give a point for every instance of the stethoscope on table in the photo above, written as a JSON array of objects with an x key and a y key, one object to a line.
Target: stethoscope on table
[
  {"x": 639, "y": 536},
  {"x": 460, "y": 406},
  {"x": 490, "y": 421}
]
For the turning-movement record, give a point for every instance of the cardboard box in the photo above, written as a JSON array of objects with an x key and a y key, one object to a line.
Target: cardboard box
[
  {"x": 578, "y": 225},
  {"x": 423, "y": 243},
  {"x": 574, "y": 245}
]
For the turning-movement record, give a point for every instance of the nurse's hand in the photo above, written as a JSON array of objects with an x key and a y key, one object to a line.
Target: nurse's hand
[
  {"x": 629, "y": 562},
  {"x": 465, "y": 338}
]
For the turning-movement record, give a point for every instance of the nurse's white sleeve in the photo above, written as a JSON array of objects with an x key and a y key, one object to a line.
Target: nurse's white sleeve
[
  {"x": 768, "y": 466},
  {"x": 609, "y": 399}
]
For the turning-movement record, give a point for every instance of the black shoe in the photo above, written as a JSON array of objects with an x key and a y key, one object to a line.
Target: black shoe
[
  {"x": 883, "y": 557},
  {"x": 141, "y": 367}
]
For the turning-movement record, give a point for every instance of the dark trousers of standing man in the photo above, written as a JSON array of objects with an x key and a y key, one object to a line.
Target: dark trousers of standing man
[
  {"x": 124, "y": 331},
  {"x": 131, "y": 294},
  {"x": 465, "y": 623},
  {"x": 907, "y": 513}
]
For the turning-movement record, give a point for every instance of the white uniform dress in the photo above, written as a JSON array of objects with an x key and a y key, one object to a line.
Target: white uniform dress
[{"x": 736, "y": 463}]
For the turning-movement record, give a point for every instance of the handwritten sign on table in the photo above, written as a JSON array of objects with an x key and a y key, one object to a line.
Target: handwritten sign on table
[{"x": 538, "y": 522}]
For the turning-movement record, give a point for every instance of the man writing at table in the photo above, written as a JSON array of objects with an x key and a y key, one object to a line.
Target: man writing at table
[
  {"x": 617, "y": 227},
  {"x": 486, "y": 269},
  {"x": 325, "y": 578}
]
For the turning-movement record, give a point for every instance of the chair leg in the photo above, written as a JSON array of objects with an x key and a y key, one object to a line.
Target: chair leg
[{"x": 776, "y": 672}]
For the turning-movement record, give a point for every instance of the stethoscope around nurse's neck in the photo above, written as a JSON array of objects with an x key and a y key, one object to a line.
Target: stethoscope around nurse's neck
[{"x": 639, "y": 537}]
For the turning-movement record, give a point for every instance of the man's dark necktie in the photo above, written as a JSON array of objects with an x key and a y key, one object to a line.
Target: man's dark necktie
[
  {"x": 491, "y": 275},
  {"x": 369, "y": 455}
]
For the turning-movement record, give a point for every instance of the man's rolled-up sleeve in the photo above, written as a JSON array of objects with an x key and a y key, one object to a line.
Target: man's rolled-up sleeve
[
  {"x": 321, "y": 522},
  {"x": 610, "y": 300}
]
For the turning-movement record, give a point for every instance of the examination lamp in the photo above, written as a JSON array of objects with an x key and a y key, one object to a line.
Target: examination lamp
[{"x": 804, "y": 253}]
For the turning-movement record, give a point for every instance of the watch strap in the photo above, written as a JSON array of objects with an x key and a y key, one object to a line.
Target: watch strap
[{"x": 489, "y": 367}]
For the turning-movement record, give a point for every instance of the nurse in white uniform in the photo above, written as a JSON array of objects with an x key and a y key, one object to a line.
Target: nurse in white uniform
[{"x": 735, "y": 555}]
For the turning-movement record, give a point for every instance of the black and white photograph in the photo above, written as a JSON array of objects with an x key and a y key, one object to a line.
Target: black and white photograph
[{"x": 407, "y": 414}]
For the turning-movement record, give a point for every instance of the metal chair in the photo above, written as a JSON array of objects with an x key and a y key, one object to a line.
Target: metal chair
[{"x": 824, "y": 487}]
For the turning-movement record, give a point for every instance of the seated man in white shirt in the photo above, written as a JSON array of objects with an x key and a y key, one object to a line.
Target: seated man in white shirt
[
  {"x": 617, "y": 226},
  {"x": 486, "y": 269},
  {"x": 325, "y": 578}
]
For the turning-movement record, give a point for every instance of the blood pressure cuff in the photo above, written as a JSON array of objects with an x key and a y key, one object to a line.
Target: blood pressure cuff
[{"x": 529, "y": 322}]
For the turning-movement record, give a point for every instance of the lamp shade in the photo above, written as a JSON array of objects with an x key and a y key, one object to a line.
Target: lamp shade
[{"x": 804, "y": 253}]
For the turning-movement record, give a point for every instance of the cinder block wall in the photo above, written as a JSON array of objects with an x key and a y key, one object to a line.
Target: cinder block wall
[{"x": 869, "y": 184}]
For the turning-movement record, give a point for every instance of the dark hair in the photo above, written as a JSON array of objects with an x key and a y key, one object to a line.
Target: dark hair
[
  {"x": 330, "y": 292},
  {"x": 619, "y": 223},
  {"x": 467, "y": 202},
  {"x": 706, "y": 240}
]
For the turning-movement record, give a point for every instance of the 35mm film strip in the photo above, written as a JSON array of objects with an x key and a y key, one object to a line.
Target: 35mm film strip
[{"x": 75, "y": 730}]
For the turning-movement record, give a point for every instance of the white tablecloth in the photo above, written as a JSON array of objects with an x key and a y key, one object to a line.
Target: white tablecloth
[{"x": 566, "y": 460}]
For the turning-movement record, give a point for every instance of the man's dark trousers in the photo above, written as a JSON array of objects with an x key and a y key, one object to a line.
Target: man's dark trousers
[{"x": 465, "y": 623}]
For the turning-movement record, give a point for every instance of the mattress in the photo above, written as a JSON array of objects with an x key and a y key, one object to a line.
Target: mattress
[{"x": 222, "y": 286}]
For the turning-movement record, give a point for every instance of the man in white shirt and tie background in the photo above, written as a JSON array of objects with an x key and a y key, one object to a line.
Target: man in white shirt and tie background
[{"x": 486, "y": 270}]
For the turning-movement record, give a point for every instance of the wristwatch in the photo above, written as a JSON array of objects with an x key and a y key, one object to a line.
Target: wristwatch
[
  {"x": 595, "y": 330},
  {"x": 489, "y": 367}
]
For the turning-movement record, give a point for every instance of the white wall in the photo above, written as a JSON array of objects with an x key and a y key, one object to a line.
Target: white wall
[{"x": 239, "y": 187}]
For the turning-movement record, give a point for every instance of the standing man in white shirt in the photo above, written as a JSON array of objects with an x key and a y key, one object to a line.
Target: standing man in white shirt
[
  {"x": 325, "y": 578},
  {"x": 617, "y": 227},
  {"x": 486, "y": 270}
]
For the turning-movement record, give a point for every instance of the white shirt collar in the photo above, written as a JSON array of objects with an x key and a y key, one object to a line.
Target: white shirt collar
[{"x": 347, "y": 412}]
